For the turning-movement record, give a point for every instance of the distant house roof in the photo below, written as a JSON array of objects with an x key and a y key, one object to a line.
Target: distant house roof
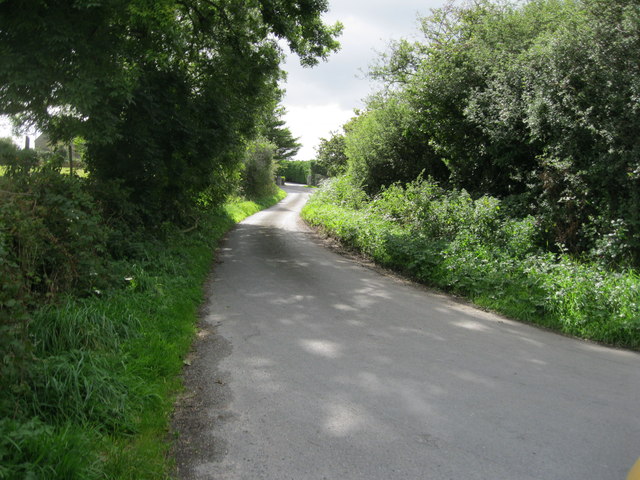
[{"x": 42, "y": 143}]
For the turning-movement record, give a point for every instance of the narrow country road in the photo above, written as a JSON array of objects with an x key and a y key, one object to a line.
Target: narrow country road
[{"x": 311, "y": 366}]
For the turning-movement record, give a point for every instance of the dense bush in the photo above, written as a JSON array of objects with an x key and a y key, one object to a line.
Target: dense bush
[
  {"x": 54, "y": 229},
  {"x": 475, "y": 248},
  {"x": 295, "y": 171},
  {"x": 258, "y": 169},
  {"x": 506, "y": 99},
  {"x": 386, "y": 145},
  {"x": 331, "y": 157},
  {"x": 7, "y": 150},
  {"x": 52, "y": 240},
  {"x": 94, "y": 323}
]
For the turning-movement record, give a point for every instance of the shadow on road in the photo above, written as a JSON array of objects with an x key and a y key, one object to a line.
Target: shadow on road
[
  {"x": 314, "y": 367},
  {"x": 310, "y": 366}
]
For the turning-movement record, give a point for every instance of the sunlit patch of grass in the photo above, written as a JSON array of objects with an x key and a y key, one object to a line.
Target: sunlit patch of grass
[
  {"x": 243, "y": 208},
  {"x": 80, "y": 172}
]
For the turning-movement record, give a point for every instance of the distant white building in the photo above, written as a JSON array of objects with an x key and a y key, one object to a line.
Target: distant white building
[{"x": 43, "y": 144}]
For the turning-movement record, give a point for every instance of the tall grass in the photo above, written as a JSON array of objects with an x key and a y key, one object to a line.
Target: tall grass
[
  {"x": 471, "y": 247},
  {"x": 95, "y": 401}
]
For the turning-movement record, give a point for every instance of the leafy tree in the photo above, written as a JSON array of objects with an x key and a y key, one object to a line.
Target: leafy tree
[
  {"x": 274, "y": 129},
  {"x": 294, "y": 170},
  {"x": 509, "y": 97},
  {"x": 331, "y": 156},
  {"x": 463, "y": 83},
  {"x": 564, "y": 116},
  {"x": 258, "y": 169},
  {"x": 583, "y": 105},
  {"x": 165, "y": 93},
  {"x": 468, "y": 69},
  {"x": 385, "y": 145}
]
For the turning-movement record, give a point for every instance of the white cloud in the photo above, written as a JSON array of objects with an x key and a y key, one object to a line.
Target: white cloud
[
  {"x": 6, "y": 131},
  {"x": 321, "y": 99},
  {"x": 5, "y": 127},
  {"x": 312, "y": 122}
]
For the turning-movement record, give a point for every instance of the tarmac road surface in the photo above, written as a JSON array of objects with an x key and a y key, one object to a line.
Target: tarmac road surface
[{"x": 312, "y": 366}]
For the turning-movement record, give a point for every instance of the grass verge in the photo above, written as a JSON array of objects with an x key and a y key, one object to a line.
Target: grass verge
[
  {"x": 468, "y": 247},
  {"x": 96, "y": 400}
]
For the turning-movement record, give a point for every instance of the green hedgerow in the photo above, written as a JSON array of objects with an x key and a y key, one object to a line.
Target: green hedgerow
[{"x": 472, "y": 247}]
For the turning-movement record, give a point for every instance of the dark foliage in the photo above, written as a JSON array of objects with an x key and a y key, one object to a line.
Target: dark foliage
[
  {"x": 510, "y": 100},
  {"x": 295, "y": 171}
]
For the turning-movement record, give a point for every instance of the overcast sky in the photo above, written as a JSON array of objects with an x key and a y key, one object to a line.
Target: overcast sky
[
  {"x": 320, "y": 100},
  {"x": 5, "y": 127}
]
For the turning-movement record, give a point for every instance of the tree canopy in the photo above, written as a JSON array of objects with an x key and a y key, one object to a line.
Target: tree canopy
[
  {"x": 274, "y": 129},
  {"x": 165, "y": 92},
  {"x": 330, "y": 154},
  {"x": 535, "y": 102}
]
